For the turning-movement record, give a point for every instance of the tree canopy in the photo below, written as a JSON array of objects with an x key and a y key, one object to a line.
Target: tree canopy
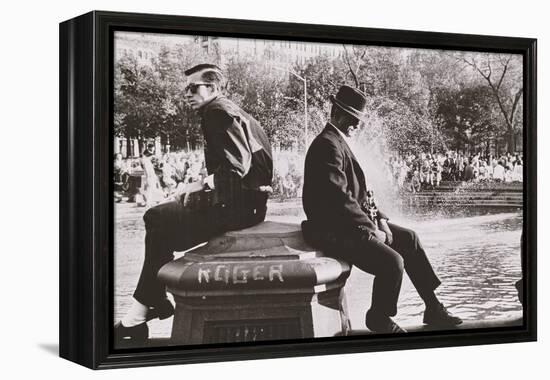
[{"x": 418, "y": 100}]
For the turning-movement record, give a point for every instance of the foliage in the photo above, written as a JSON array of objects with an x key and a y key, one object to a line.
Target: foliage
[
  {"x": 149, "y": 99},
  {"x": 467, "y": 115},
  {"x": 418, "y": 100}
]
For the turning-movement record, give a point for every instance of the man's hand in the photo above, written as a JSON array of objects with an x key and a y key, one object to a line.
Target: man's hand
[
  {"x": 380, "y": 235},
  {"x": 266, "y": 189},
  {"x": 383, "y": 225},
  {"x": 208, "y": 182},
  {"x": 186, "y": 191},
  {"x": 184, "y": 199}
]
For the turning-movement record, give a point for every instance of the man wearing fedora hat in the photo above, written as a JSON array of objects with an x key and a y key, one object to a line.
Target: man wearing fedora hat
[{"x": 342, "y": 219}]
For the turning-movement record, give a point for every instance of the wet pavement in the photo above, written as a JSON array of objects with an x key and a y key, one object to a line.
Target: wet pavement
[{"x": 475, "y": 254}]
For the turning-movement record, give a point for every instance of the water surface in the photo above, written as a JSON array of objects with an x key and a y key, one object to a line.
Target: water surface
[{"x": 476, "y": 254}]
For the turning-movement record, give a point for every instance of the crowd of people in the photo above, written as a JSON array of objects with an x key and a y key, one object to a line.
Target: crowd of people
[
  {"x": 426, "y": 171},
  {"x": 150, "y": 179},
  {"x": 288, "y": 174}
]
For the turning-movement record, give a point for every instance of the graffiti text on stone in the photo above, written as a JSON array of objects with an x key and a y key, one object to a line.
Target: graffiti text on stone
[{"x": 240, "y": 274}]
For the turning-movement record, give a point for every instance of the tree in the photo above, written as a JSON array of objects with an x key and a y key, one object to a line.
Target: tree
[
  {"x": 398, "y": 97},
  {"x": 418, "y": 100},
  {"x": 150, "y": 99},
  {"x": 263, "y": 94},
  {"x": 467, "y": 116},
  {"x": 134, "y": 99},
  {"x": 503, "y": 75}
]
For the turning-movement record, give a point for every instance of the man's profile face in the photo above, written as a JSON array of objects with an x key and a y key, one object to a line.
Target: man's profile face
[
  {"x": 351, "y": 124},
  {"x": 353, "y": 127},
  {"x": 198, "y": 92}
]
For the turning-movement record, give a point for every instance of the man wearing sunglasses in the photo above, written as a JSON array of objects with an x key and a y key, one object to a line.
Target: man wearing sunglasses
[{"x": 233, "y": 196}]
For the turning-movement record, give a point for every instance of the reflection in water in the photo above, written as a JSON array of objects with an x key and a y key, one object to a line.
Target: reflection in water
[{"x": 475, "y": 254}]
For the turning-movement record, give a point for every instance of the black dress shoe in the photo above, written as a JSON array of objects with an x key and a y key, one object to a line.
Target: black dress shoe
[
  {"x": 382, "y": 324},
  {"x": 163, "y": 310},
  {"x": 135, "y": 335},
  {"x": 439, "y": 316}
]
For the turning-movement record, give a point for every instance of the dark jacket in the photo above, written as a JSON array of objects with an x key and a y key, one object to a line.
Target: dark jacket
[
  {"x": 468, "y": 173},
  {"x": 237, "y": 152},
  {"x": 335, "y": 188}
]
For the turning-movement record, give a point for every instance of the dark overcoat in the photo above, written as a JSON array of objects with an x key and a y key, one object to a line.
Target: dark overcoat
[{"x": 335, "y": 188}]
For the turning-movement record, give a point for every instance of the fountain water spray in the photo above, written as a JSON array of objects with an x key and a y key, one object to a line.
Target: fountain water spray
[{"x": 370, "y": 146}]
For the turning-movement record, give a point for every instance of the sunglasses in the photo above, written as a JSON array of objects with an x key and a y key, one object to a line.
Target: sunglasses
[{"x": 194, "y": 86}]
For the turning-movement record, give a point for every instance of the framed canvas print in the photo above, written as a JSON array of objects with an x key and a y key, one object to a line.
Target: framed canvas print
[{"x": 239, "y": 189}]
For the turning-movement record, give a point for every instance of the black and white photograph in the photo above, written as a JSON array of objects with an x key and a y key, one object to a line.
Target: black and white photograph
[
  {"x": 275, "y": 190},
  {"x": 267, "y": 190}
]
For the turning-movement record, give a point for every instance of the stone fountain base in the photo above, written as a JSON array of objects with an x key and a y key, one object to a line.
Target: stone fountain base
[{"x": 261, "y": 283}]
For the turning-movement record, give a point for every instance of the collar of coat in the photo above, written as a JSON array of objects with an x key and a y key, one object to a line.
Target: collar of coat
[
  {"x": 205, "y": 106},
  {"x": 344, "y": 140}
]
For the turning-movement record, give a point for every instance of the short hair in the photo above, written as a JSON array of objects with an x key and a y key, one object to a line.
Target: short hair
[{"x": 210, "y": 73}]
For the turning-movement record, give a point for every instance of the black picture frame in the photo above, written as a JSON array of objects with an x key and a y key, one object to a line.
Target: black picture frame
[{"x": 86, "y": 205}]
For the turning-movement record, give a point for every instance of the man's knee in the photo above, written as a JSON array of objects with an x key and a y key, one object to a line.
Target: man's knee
[
  {"x": 414, "y": 237},
  {"x": 392, "y": 265},
  {"x": 410, "y": 236},
  {"x": 396, "y": 266}
]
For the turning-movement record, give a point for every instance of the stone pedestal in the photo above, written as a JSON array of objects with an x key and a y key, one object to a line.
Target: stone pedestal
[{"x": 261, "y": 283}]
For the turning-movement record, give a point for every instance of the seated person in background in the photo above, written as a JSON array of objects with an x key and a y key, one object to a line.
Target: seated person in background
[
  {"x": 489, "y": 170},
  {"x": 119, "y": 171},
  {"x": 468, "y": 171},
  {"x": 416, "y": 183},
  {"x": 152, "y": 192},
  {"x": 498, "y": 172},
  {"x": 289, "y": 186},
  {"x": 449, "y": 167},
  {"x": 508, "y": 175},
  {"x": 482, "y": 171},
  {"x": 517, "y": 174}
]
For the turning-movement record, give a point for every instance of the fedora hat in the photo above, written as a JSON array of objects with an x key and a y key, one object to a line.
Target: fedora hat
[{"x": 350, "y": 100}]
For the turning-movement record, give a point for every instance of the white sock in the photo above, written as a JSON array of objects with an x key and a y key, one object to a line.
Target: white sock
[{"x": 135, "y": 315}]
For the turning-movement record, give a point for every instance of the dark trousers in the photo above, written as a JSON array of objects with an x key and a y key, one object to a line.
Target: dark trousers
[
  {"x": 173, "y": 227},
  {"x": 387, "y": 263}
]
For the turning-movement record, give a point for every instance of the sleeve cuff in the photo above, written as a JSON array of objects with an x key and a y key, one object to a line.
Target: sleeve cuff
[{"x": 208, "y": 182}]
